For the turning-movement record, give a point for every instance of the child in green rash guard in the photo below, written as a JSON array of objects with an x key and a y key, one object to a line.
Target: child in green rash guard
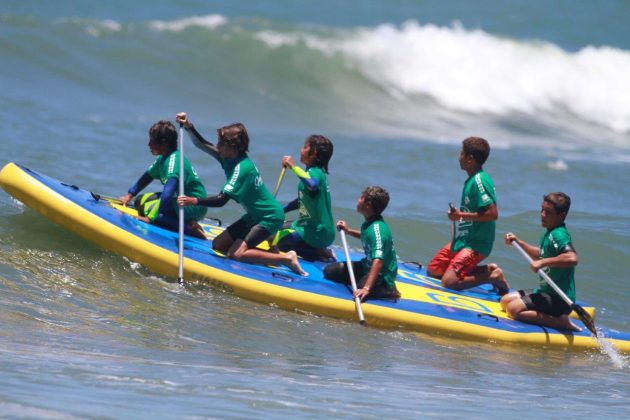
[
  {"x": 457, "y": 262},
  {"x": 557, "y": 257},
  {"x": 314, "y": 230},
  {"x": 263, "y": 213},
  {"x": 376, "y": 273},
  {"x": 164, "y": 213}
]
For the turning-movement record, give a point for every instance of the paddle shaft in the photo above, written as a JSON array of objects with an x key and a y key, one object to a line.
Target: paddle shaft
[
  {"x": 180, "y": 272},
  {"x": 280, "y": 178},
  {"x": 584, "y": 316},
  {"x": 353, "y": 282},
  {"x": 451, "y": 208},
  {"x": 544, "y": 275}
]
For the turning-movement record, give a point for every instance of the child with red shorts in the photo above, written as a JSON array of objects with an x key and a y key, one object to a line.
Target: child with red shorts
[{"x": 457, "y": 263}]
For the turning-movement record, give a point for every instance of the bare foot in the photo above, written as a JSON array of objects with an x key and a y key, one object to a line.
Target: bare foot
[
  {"x": 326, "y": 255},
  {"x": 498, "y": 279},
  {"x": 196, "y": 230},
  {"x": 294, "y": 264},
  {"x": 565, "y": 323}
]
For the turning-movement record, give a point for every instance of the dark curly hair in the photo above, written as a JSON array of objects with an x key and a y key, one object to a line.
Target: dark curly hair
[
  {"x": 377, "y": 198},
  {"x": 164, "y": 132}
]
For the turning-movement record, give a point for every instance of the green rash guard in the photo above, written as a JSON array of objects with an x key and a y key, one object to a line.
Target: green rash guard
[
  {"x": 315, "y": 223},
  {"x": 166, "y": 167},
  {"x": 478, "y": 192},
  {"x": 553, "y": 243},
  {"x": 378, "y": 244},
  {"x": 245, "y": 186}
]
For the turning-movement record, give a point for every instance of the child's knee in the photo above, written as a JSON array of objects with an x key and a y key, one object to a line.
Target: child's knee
[
  {"x": 515, "y": 307},
  {"x": 450, "y": 280}
]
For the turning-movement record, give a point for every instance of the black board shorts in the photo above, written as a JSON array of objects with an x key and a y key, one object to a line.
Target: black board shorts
[
  {"x": 338, "y": 272},
  {"x": 251, "y": 236},
  {"x": 546, "y": 303}
]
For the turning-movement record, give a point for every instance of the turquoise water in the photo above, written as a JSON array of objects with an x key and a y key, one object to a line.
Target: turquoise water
[{"x": 396, "y": 85}]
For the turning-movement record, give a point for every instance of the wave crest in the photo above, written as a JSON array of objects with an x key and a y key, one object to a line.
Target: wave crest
[
  {"x": 476, "y": 72},
  {"x": 209, "y": 22}
]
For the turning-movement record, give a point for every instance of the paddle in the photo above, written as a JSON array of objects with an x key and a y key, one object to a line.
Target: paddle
[
  {"x": 353, "y": 283},
  {"x": 117, "y": 201},
  {"x": 584, "y": 316},
  {"x": 451, "y": 209},
  {"x": 180, "y": 272},
  {"x": 280, "y": 178}
]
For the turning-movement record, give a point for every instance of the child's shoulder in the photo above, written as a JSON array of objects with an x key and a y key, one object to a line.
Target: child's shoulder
[
  {"x": 559, "y": 234},
  {"x": 483, "y": 174},
  {"x": 377, "y": 224}
]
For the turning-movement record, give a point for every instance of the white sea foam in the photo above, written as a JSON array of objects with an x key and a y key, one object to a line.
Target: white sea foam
[
  {"x": 98, "y": 28},
  {"x": 477, "y": 72},
  {"x": 558, "y": 165},
  {"x": 275, "y": 39},
  {"x": 209, "y": 22}
]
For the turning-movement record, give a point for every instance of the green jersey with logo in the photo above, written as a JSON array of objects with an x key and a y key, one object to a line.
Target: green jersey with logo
[
  {"x": 315, "y": 222},
  {"x": 378, "y": 243},
  {"x": 167, "y": 167},
  {"x": 478, "y": 192},
  {"x": 245, "y": 186},
  {"x": 553, "y": 243}
]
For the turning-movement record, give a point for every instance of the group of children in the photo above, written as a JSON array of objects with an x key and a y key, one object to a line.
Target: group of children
[{"x": 457, "y": 264}]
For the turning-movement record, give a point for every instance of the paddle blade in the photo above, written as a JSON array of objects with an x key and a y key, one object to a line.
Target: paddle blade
[{"x": 586, "y": 319}]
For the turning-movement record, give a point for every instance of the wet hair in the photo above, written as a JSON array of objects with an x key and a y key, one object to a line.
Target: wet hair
[
  {"x": 323, "y": 148},
  {"x": 235, "y": 135},
  {"x": 164, "y": 132},
  {"x": 478, "y": 148},
  {"x": 377, "y": 198},
  {"x": 560, "y": 201}
]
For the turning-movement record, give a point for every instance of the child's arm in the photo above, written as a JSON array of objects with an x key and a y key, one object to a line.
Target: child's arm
[
  {"x": 311, "y": 184},
  {"x": 377, "y": 265},
  {"x": 531, "y": 250},
  {"x": 218, "y": 200},
  {"x": 196, "y": 137},
  {"x": 567, "y": 259},
  {"x": 293, "y": 205},
  {"x": 202, "y": 143},
  {"x": 140, "y": 184},
  {"x": 485, "y": 214},
  {"x": 170, "y": 188},
  {"x": 342, "y": 225}
]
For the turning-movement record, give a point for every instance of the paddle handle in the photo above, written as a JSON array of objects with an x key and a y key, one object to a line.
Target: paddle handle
[
  {"x": 544, "y": 275},
  {"x": 353, "y": 282},
  {"x": 280, "y": 178},
  {"x": 180, "y": 252}
]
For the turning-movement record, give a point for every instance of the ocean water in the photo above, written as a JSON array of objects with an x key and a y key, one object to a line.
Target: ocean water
[{"x": 396, "y": 85}]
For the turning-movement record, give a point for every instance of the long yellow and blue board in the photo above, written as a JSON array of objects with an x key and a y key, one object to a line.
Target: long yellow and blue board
[{"x": 424, "y": 305}]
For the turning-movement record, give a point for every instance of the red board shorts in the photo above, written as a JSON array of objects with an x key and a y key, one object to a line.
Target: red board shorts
[{"x": 462, "y": 262}]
